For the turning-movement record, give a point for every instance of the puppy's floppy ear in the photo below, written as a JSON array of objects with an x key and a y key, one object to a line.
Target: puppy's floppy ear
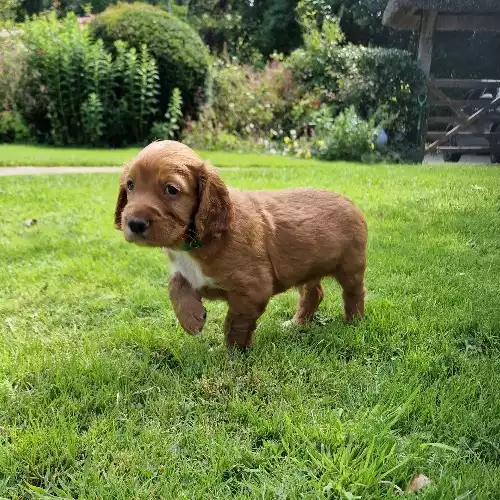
[
  {"x": 122, "y": 199},
  {"x": 214, "y": 210}
]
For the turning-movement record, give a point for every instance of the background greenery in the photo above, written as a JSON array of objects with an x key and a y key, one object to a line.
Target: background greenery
[
  {"x": 269, "y": 25},
  {"x": 278, "y": 76},
  {"x": 80, "y": 93}
]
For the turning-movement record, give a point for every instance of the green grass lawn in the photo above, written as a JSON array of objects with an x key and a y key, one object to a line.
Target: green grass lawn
[
  {"x": 11, "y": 155},
  {"x": 103, "y": 396}
]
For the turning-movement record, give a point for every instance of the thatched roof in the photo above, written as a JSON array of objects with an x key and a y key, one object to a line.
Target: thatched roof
[{"x": 453, "y": 15}]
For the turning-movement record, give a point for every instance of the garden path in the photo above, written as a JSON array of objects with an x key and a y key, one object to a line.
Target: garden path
[{"x": 26, "y": 170}]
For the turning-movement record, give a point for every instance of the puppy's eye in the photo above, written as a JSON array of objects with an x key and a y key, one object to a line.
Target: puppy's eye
[
  {"x": 171, "y": 190},
  {"x": 130, "y": 185}
]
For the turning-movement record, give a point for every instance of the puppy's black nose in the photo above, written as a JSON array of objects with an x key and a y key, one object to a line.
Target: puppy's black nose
[{"x": 137, "y": 225}]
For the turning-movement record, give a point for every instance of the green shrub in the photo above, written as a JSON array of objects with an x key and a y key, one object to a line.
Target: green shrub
[
  {"x": 247, "y": 102},
  {"x": 8, "y": 10},
  {"x": 343, "y": 137},
  {"x": 181, "y": 55},
  {"x": 348, "y": 137},
  {"x": 13, "y": 128},
  {"x": 376, "y": 81},
  {"x": 76, "y": 92},
  {"x": 169, "y": 129},
  {"x": 220, "y": 140},
  {"x": 319, "y": 65},
  {"x": 13, "y": 57},
  {"x": 384, "y": 82}
]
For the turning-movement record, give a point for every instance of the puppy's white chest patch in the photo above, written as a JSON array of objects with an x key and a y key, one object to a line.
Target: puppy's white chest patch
[{"x": 184, "y": 264}]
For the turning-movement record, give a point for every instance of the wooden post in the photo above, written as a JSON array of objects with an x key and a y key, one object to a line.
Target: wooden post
[
  {"x": 424, "y": 60},
  {"x": 426, "y": 41}
]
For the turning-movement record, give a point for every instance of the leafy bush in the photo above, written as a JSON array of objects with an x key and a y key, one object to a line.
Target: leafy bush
[
  {"x": 181, "y": 55},
  {"x": 320, "y": 64},
  {"x": 212, "y": 139},
  {"x": 384, "y": 82},
  {"x": 169, "y": 129},
  {"x": 375, "y": 81},
  {"x": 13, "y": 128},
  {"x": 262, "y": 110},
  {"x": 246, "y": 102},
  {"x": 208, "y": 134},
  {"x": 344, "y": 137},
  {"x": 13, "y": 56},
  {"x": 8, "y": 10},
  {"x": 78, "y": 93},
  {"x": 348, "y": 138}
]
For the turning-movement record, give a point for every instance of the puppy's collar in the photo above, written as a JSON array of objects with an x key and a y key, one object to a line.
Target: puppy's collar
[{"x": 191, "y": 240}]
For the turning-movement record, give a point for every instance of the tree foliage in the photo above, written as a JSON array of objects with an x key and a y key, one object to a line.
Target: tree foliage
[
  {"x": 8, "y": 10},
  {"x": 241, "y": 25}
]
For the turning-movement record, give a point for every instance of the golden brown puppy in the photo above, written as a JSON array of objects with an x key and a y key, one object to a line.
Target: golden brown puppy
[{"x": 240, "y": 246}]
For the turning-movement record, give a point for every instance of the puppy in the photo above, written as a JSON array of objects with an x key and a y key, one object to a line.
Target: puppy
[{"x": 240, "y": 246}]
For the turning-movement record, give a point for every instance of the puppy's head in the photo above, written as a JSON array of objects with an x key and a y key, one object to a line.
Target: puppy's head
[{"x": 169, "y": 197}]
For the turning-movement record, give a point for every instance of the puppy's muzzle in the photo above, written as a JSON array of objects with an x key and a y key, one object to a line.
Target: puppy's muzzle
[{"x": 137, "y": 225}]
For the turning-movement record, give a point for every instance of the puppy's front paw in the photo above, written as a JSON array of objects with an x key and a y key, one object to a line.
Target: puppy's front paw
[
  {"x": 192, "y": 317},
  {"x": 187, "y": 305},
  {"x": 191, "y": 313}
]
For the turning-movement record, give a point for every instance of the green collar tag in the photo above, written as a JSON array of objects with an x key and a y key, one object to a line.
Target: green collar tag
[{"x": 192, "y": 243}]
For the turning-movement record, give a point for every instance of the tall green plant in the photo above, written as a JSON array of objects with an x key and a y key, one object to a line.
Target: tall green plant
[
  {"x": 92, "y": 119},
  {"x": 55, "y": 62},
  {"x": 144, "y": 90},
  {"x": 71, "y": 76},
  {"x": 13, "y": 57},
  {"x": 170, "y": 127}
]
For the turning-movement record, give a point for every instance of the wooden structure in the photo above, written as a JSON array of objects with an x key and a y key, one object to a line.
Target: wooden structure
[{"x": 477, "y": 118}]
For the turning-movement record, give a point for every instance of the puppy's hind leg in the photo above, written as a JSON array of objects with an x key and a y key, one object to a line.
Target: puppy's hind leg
[
  {"x": 241, "y": 319},
  {"x": 352, "y": 282},
  {"x": 311, "y": 296}
]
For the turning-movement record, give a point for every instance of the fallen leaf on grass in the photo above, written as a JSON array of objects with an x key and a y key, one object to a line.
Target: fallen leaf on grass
[
  {"x": 30, "y": 222},
  {"x": 418, "y": 483}
]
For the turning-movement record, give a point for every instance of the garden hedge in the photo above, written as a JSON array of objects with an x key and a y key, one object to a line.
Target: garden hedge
[
  {"x": 181, "y": 55},
  {"x": 373, "y": 80}
]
